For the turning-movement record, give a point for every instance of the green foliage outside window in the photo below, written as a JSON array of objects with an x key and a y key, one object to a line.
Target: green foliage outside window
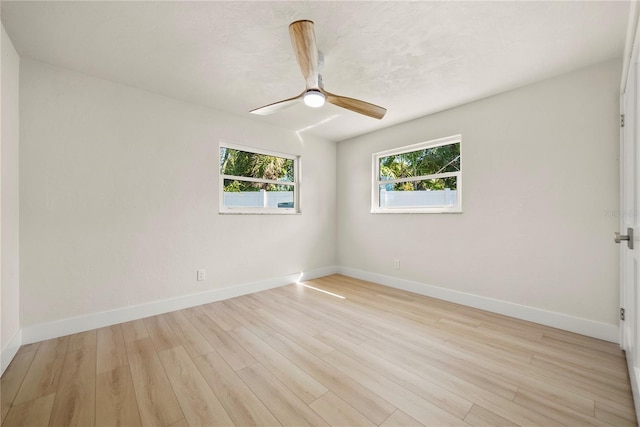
[
  {"x": 429, "y": 161},
  {"x": 239, "y": 164}
]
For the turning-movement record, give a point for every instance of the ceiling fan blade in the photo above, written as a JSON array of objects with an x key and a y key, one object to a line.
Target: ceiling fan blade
[
  {"x": 276, "y": 106},
  {"x": 356, "y": 105},
  {"x": 303, "y": 39}
]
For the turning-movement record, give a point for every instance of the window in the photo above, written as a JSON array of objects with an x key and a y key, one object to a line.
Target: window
[
  {"x": 256, "y": 181},
  {"x": 420, "y": 178}
]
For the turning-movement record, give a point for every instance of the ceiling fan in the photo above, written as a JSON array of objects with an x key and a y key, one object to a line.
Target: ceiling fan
[{"x": 303, "y": 39}]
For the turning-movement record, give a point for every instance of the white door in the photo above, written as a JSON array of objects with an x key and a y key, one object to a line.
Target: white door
[{"x": 629, "y": 225}]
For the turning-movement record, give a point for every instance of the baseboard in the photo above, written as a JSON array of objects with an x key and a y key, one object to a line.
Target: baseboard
[
  {"x": 9, "y": 352},
  {"x": 88, "y": 322},
  {"x": 603, "y": 331},
  {"x": 73, "y": 325}
]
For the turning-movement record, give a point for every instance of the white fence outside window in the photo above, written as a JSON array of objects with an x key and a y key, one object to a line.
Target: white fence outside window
[
  {"x": 258, "y": 199},
  {"x": 405, "y": 199},
  {"x": 388, "y": 199}
]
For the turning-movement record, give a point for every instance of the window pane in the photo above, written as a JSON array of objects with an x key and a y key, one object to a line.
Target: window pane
[
  {"x": 239, "y": 193},
  {"x": 429, "y": 161},
  {"x": 440, "y": 192},
  {"x": 255, "y": 165}
]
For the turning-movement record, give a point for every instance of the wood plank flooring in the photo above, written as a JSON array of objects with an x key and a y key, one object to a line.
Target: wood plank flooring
[{"x": 298, "y": 356}]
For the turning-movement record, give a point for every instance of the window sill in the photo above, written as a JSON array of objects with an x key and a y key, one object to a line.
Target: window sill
[
  {"x": 258, "y": 213},
  {"x": 416, "y": 211}
]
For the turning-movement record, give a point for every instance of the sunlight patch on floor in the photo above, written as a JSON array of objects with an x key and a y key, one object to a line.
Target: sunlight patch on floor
[{"x": 321, "y": 290}]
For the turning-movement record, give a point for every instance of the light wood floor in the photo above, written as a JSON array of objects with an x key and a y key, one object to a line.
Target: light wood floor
[{"x": 297, "y": 356}]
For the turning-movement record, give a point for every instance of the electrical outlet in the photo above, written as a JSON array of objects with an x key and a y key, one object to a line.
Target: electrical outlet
[
  {"x": 396, "y": 263},
  {"x": 201, "y": 274}
]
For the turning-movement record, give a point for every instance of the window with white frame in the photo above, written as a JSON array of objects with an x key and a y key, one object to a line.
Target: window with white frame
[
  {"x": 258, "y": 181},
  {"x": 419, "y": 178}
]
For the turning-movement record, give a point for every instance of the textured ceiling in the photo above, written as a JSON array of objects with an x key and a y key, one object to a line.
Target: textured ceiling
[{"x": 414, "y": 58}]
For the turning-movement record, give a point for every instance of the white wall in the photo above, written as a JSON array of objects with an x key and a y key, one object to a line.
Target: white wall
[
  {"x": 119, "y": 199},
  {"x": 9, "y": 217},
  {"x": 540, "y": 180}
]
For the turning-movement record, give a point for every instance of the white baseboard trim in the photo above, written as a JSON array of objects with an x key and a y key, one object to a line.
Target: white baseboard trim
[
  {"x": 59, "y": 328},
  {"x": 9, "y": 352},
  {"x": 603, "y": 331},
  {"x": 35, "y": 333}
]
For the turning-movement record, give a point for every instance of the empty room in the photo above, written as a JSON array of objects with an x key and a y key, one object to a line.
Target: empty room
[{"x": 252, "y": 213}]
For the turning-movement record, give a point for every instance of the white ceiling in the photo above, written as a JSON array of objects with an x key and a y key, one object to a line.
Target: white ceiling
[{"x": 414, "y": 58}]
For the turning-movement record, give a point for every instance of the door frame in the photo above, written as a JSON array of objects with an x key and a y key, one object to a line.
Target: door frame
[{"x": 630, "y": 200}]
